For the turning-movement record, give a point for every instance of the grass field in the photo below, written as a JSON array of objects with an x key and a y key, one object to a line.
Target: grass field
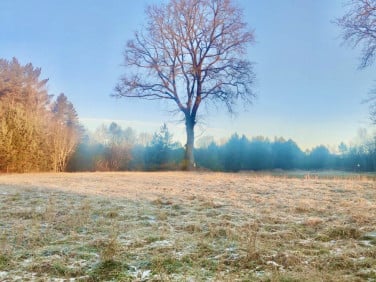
[{"x": 175, "y": 226}]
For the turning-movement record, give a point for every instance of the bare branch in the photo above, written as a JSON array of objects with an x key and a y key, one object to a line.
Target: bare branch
[
  {"x": 359, "y": 28},
  {"x": 191, "y": 51}
]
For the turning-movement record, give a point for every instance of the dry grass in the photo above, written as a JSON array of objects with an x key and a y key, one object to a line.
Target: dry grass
[{"x": 174, "y": 226}]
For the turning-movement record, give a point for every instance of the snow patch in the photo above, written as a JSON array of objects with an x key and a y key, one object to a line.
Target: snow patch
[
  {"x": 162, "y": 243},
  {"x": 139, "y": 274}
]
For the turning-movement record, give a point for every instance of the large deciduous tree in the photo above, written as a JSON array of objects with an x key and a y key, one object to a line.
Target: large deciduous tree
[{"x": 190, "y": 52}]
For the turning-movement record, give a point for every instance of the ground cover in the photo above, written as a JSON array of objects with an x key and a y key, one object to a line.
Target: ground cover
[{"x": 175, "y": 226}]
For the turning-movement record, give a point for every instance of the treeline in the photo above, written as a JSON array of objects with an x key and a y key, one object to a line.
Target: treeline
[
  {"x": 41, "y": 133},
  {"x": 37, "y": 132},
  {"x": 260, "y": 153},
  {"x": 111, "y": 148}
]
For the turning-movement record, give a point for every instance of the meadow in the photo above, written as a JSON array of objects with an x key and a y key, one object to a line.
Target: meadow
[{"x": 179, "y": 226}]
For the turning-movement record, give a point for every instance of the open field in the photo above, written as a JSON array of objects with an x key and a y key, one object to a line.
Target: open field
[{"x": 175, "y": 226}]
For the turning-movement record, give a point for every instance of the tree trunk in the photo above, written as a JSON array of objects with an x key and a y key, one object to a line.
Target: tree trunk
[{"x": 189, "y": 161}]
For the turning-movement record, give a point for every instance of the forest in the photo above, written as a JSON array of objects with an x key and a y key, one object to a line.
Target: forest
[
  {"x": 139, "y": 203},
  {"x": 111, "y": 148},
  {"x": 41, "y": 133},
  {"x": 37, "y": 132}
]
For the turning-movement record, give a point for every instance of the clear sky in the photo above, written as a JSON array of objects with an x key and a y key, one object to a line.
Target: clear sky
[{"x": 308, "y": 85}]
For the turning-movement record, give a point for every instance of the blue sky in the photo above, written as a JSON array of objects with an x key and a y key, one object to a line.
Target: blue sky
[{"x": 308, "y": 85}]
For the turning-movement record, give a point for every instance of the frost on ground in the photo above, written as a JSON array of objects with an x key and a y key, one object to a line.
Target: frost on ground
[{"x": 179, "y": 226}]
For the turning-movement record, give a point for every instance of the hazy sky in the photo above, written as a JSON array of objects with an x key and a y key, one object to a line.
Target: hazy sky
[{"x": 308, "y": 85}]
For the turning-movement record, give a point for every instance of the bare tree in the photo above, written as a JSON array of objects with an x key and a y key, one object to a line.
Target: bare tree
[
  {"x": 117, "y": 144},
  {"x": 359, "y": 28},
  {"x": 190, "y": 52}
]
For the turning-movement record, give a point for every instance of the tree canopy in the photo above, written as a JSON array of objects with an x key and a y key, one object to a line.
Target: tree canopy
[
  {"x": 36, "y": 132},
  {"x": 190, "y": 52}
]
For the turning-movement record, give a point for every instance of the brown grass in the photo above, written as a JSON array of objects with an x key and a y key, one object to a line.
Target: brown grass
[{"x": 175, "y": 226}]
